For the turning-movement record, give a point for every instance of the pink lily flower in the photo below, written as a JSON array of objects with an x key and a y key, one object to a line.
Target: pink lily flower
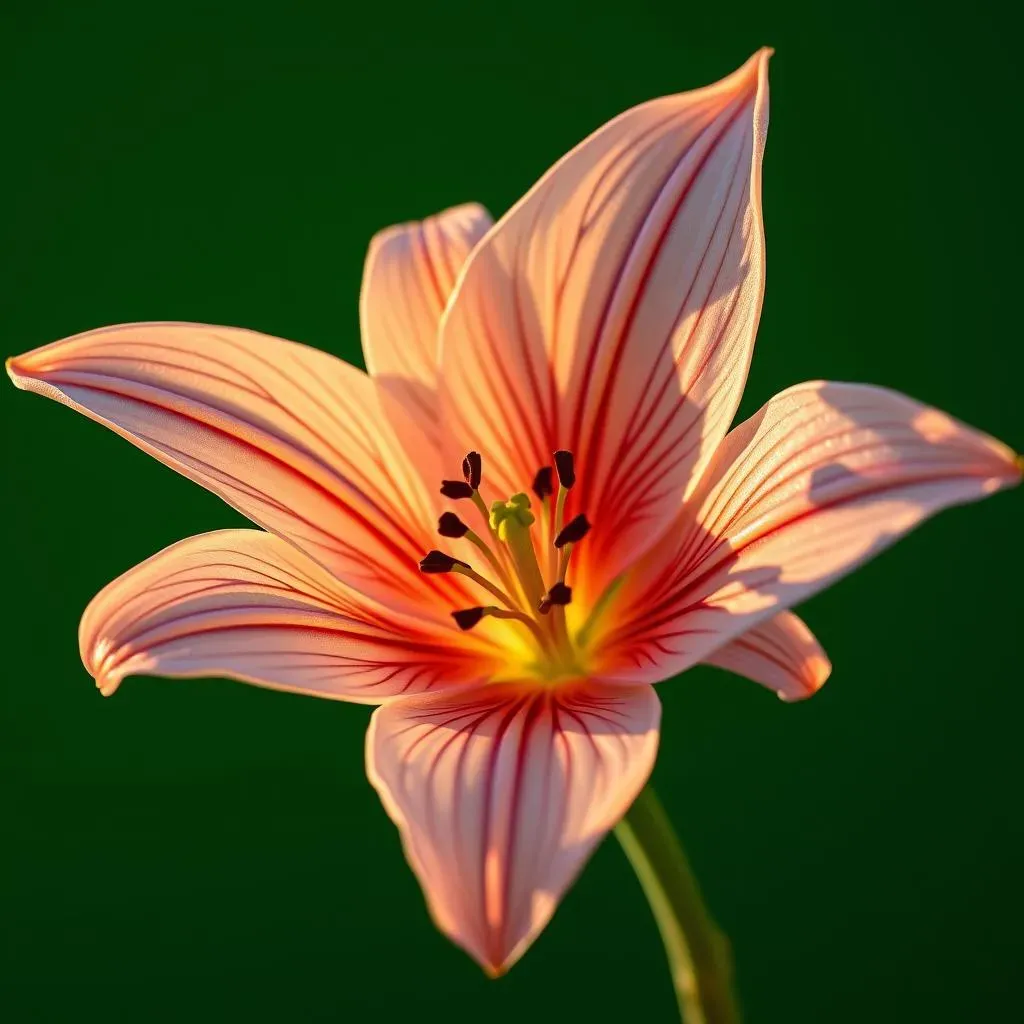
[{"x": 606, "y": 322}]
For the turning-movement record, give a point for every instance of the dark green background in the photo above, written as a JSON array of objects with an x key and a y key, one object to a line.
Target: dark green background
[{"x": 203, "y": 851}]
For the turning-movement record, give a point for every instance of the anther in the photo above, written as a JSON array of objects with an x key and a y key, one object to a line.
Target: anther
[
  {"x": 437, "y": 561},
  {"x": 469, "y": 617},
  {"x": 472, "y": 469},
  {"x": 565, "y": 466},
  {"x": 456, "y": 489},
  {"x": 450, "y": 525},
  {"x": 559, "y": 594},
  {"x": 542, "y": 483},
  {"x": 575, "y": 530}
]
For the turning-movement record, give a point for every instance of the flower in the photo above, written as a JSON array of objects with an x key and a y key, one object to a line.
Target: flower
[{"x": 606, "y": 531}]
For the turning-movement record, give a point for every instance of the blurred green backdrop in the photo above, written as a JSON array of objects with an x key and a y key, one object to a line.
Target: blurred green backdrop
[{"x": 203, "y": 851}]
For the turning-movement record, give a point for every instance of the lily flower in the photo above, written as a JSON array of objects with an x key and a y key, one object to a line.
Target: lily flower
[{"x": 529, "y": 508}]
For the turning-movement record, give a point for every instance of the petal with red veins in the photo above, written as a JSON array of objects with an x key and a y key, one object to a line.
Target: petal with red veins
[
  {"x": 248, "y": 605},
  {"x": 409, "y": 274},
  {"x": 824, "y": 477},
  {"x": 293, "y": 438},
  {"x": 612, "y": 312},
  {"x": 780, "y": 653},
  {"x": 502, "y": 792}
]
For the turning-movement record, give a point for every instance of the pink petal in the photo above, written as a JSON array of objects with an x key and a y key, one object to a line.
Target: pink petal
[
  {"x": 613, "y": 310},
  {"x": 501, "y": 794},
  {"x": 824, "y": 477},
  {"x": 410, "y": 272},
  {"x": 248, "y": 605},
  {"x": 292, "y": 437},
  {"x": 780, "y": 653}
]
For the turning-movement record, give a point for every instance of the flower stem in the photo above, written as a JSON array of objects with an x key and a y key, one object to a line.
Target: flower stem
[{"x": 698, "y": 953}]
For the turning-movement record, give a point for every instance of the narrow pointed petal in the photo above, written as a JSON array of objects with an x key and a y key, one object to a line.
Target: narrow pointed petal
[
  {"x": 612, "y": 312},
  {"x": 292, "y": 437},
  {"x": 780, "y": 653},
  {"x": 823, "y": 478},
  {"x": 248, "y": 605},
  {"x": 409, "y": 274},
  {"x": 501, "y": 794}
]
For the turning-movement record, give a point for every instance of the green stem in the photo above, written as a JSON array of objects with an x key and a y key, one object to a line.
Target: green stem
[{"x": 698, "y": 953}]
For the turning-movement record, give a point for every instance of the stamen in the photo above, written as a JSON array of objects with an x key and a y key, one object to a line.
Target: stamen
[
  {"x": 558, "y": 595},
  {"x": 437, "y": 561},
  {"x": 543, "y": 487},
  {"x": 450, "y": 525},
  {"x": 468, "y": 617},
  {"x": 482, "y": 581},
  {"x": 498, "y": 613},
  {"x": 566, "y": 468},
  {"x": 574, "y": 531},
  {"x": 456, "y": 489},
  {"x": 472, "y": 469},
  {"x": 524, "y": 593},
  {"x": 482, "y": 508}
]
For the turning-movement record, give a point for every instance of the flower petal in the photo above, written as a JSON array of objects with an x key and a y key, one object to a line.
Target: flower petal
[
  {"x": 248, "y": 605},
  {"x": 612, "y": 312},
  {"x": 780, "y": 653},
  {"x": 410, "y": 272},
  {"x": 824, "y": 477},
  {"x": 292, "y": 437},
  {"x": 502, "y": 792}
]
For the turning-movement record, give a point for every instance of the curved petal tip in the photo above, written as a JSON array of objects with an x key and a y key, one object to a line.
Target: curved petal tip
[
  {"x": 755, "y": 65},
  {"x": 104, "y": 663},
  {"x": 749, "y": 78},
  {"x": 26, "y": 370},
  {"x": 16, "y": 379},
  {"x": 108, "y": 685},
  {"x": 815, "y": 672}
]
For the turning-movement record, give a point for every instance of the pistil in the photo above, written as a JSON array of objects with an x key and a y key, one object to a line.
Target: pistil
[
  {"x": 511, "y": 521},
  {"x": 570, "y": 535}
]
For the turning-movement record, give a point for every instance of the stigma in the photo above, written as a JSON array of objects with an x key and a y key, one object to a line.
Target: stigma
[{"x": 525, "y": 549}]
